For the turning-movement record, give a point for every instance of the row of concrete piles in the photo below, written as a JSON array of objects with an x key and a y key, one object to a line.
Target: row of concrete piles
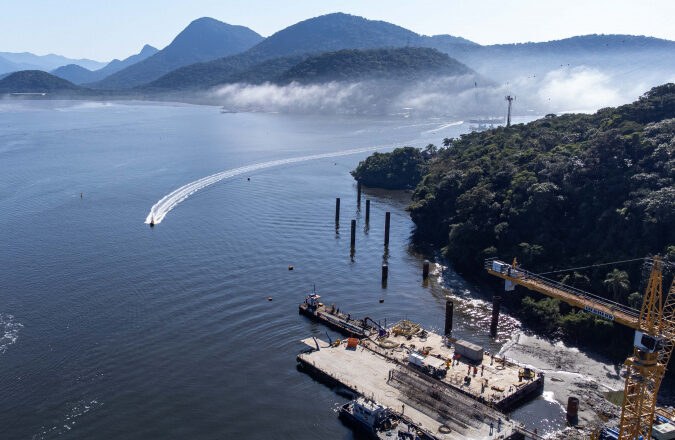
[{"x": 449, "y": 307}]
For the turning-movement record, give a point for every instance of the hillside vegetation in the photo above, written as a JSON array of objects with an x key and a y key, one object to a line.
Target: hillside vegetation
[
  {"x": 559, "y": 190},
  {"x": 562, "y": 191},
  {"x": 35, "y": 81},
  {"x": 406, "y": 63},
  {"x": 403, "y": 168}
]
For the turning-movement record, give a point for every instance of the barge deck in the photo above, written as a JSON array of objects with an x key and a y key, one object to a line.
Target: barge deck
[{"x": 452, "y": 389}]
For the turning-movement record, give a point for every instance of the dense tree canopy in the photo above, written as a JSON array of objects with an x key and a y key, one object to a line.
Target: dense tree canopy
[
  {"x": 401, "y": 169},
  {"x": 557, "y": 191},
  {"x": 562, "y": 191}
]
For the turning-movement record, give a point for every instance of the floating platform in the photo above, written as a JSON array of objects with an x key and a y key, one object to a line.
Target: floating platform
[
  {"x": 439, "y": 410},
  {"x": 336, "y": 320},
  {"x": 493, "y": 381},
  {"x": 450, "y": 388}
]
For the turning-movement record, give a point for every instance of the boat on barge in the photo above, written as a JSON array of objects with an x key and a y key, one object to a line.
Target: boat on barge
[{"x": 378, "y": 422}]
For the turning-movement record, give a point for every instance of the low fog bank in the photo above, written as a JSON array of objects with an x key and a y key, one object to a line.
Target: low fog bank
[{"x": 578, "y": 89}]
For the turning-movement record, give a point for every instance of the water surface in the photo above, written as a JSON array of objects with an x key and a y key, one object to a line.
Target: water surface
[{"x": 115, "y": 330}]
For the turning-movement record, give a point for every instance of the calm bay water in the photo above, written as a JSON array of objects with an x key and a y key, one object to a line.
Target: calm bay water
[{"x": 115, "y": 330}]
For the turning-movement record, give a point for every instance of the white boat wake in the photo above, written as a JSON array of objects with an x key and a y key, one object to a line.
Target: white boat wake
[{"x": 160, "y": 209}]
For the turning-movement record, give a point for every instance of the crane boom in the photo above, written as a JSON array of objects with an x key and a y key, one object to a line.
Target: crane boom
[
  {"x": 574, "y": 297},
  {"x": 653, "y": 344}
]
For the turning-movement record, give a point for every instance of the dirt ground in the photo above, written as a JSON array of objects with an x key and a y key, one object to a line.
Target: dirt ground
[{"x": 570, "y": 372}]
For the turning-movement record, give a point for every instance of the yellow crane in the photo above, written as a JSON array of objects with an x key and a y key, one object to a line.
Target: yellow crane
[{"x": 653, "y": 343}]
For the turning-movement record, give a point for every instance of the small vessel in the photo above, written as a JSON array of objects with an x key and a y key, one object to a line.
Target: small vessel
[
  {"x": 378, "y": 421},
  {"x": 526, "y": 373},
  {"x": 152, "y": 222}
]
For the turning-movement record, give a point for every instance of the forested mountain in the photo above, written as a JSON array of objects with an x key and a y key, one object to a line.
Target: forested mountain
[
  {"x": 407, "y": 63},
  {"x": 332, "y": 32},
  {"x": 202, "y": 40},
  {"x": 574, "y": 188},
  {"x": 79, "y": 75},
  {"x": 317, "y": 35},
  {"x": 562, "y": 191},
  {"x": 29, "y": 61},
  {"x": 266, "y": 71},
  {"x": 34, "y": 81},
  {"x": 613, "y": 54}
]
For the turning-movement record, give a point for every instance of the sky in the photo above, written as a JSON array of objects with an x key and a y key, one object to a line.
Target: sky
[{"x": 107, "y": 29}]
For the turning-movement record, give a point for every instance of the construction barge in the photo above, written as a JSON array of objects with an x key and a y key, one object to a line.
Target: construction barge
[
  {"x": 331, "y": 317},
  {"x": 449, "y": 388}
]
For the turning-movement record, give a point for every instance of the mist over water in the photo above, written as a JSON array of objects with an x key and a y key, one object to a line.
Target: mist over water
[{"x": 561, "y": 90}]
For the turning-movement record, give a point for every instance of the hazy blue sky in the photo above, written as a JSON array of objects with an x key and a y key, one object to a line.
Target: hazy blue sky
[{"x": 109, "y": 29}]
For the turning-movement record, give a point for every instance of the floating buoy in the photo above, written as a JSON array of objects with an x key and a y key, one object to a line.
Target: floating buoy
[
  {"x": 249, "y": 179},
  {"x": 290, "y": 267},
  {"x": 269, "y": 298},
  {"x": 381, "y": 300}
]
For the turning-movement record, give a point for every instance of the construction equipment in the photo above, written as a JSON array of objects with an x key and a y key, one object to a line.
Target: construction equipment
[{"x": 653, "y": 343}]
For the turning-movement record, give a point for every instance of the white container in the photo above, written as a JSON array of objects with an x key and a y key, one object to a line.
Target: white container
[{"x": 416, "y": 359}]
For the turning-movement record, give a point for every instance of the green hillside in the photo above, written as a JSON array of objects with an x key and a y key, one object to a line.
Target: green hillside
[
  {"x": 35, "y": 81},
  {"x": 406, "y": 63},
  {"x": 562, "y": 191}
]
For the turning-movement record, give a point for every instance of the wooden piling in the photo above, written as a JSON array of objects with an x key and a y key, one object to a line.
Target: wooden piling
[
  {"x": 449, "y": 309},
  {"x": 425, "y": 269},
  {"x": 385, "y": 273},
  {"x": 337, "y": 210},
  {"x": 353, "y": 236},
  {"x": 367, "y": 211},
  {"x": 572, "y": 409},
  {"x": 358, "y": 193},
  {"x": 387, "y": 221},
  {"x": 496, "y": 301}
]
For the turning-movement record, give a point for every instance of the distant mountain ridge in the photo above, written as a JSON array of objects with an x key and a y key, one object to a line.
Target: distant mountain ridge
[
  {"x": 117, "y": 65},
  {"x": 202, "y": 40},
  {"x": 606, "y": 52},
  {"x": 208, "y": 53},
  {"x": 15, "y": 61},
  {"x": 326, "y": 33},
  {"x": 502, "y": 62},
  {"x": 79, "y": 75},
  {"x": 408, "y": 64}
]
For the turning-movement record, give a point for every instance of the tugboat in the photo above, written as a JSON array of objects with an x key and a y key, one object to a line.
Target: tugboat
[{"x": 378, "y": 422}]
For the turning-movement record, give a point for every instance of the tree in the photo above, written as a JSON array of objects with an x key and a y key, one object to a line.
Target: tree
[
  {"x": 431, "y": 150},
  {"x": 635, "y": 300},
  {"x": 447, "y": 142},
  {"x": 617, "y": 282}
]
